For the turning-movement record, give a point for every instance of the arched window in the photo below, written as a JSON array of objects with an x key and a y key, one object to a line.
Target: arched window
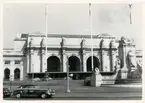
[
  {"x": 6, "y": 74},
  {"x": 17, "y": 74}
]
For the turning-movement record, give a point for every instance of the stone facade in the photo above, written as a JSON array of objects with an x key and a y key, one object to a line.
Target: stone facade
[{"x": 67, "y": 51}]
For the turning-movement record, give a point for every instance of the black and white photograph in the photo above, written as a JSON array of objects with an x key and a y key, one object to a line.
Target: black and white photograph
[{"x": 72, "y": 51}]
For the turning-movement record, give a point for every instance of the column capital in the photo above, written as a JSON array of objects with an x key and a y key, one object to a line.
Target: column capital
[
  {"x": 22, "y": 62},
  {"x": 42, "y": 51},
  {"x": 103, "y": 52}
]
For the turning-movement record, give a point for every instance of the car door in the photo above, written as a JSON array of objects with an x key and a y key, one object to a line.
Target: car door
[
  {"x": 25, "y": 92},
  {"x": 32, "y": 91}
]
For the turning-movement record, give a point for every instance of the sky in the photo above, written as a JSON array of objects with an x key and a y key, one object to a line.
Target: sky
[{"x": 72, "y": 18}]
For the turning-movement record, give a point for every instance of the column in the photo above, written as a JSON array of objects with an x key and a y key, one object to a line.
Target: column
[
  {"x": 31, "y": 61},
  {"x": 42, "y": 61},
  {"x": 113, "y": 57},
  {"x": 103, "y": 58},
  {"x": 84, "y": 61},
  {"x": 21, "y": 71},
  {"x": 28, "y": 61},
  {"x": 106, "y": 61},
  {"x": 64, "y": 59},
  {"x": 12, "y": 70}
]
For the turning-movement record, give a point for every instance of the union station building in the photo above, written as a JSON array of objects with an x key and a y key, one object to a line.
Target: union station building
[{"x": 68, "y": 52}]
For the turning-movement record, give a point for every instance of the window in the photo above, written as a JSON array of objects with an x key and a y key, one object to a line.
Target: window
[
  {"x": 7, "y": 62},
  {"x": 17, "y": 61}
]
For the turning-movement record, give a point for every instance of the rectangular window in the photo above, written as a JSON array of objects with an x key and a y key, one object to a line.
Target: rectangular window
[
  {"x": 7, "y": 62},
  {"x": 17, "y": 61}
]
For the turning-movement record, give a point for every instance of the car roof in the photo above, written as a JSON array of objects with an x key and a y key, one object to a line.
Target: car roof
[{"x": 28, "y": 85}]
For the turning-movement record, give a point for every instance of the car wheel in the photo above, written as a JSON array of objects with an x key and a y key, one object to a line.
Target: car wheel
[
  {"x": 43, "y": 95},
  {"x": 18, "y": 95}
]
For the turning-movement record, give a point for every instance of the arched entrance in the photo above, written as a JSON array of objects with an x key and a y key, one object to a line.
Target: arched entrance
[
  {"x": 53, "y": 64},
  {"x": 17, "y": 74},
  {"x": 6, "y": 74},
  {"x": 74, "y": 63},
  {"x": 89, "y": 63}
]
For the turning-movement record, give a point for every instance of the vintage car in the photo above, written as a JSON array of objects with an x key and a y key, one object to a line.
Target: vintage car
[
  {"x": 6, "y": 92},
  {"x": 33, "y": 91}
]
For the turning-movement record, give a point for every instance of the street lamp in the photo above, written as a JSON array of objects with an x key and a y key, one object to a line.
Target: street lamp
[
  {"x": 33, "y": 73},
  {"x": 11, "y": 77},
  {"x": 68, "y": 90}
]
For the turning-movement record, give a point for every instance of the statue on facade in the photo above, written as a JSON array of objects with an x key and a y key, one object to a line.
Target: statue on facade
[
  {"x": 132, "y": 61},
  {"x": 132, "y": 64},
  {"x": 117, "y": 71},
  {"x": 117, "y": 65}
]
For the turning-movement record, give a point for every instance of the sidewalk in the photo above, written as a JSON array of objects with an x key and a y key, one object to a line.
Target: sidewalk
[
  {"x": 124, "y": 85},
  {"x": 97, "y": 95}
]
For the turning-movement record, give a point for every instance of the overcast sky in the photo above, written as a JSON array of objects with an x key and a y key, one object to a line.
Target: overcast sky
[{"x": 72, "y": 19}]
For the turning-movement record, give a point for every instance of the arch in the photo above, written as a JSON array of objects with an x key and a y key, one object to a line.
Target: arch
[
  {"x": 53, "y": 64},
  {"x": 74, "y": 63},
  {"x": 7, "y": 74},
  {"x": 17, "y": 74},
  {"x": 89, "y": 63}
]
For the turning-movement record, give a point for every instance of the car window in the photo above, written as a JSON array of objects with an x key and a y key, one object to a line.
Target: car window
[
  {"x": 23, "y": 86},
  {"x": 33, "y": 87},
  {"x": 28, "y": 86}
]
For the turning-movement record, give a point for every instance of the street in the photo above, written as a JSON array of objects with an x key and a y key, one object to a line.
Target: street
[{"x": 81, "y": 92}]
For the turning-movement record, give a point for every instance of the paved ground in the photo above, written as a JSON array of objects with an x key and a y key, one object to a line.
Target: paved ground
[{"x": 81, "y": 92}]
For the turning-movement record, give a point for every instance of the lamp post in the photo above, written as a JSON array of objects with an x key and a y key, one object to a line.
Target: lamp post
[
  {"x": 33, "y": 73},
  {"x": 11, "y": 77},
  {"x": 68, "y": 90}
]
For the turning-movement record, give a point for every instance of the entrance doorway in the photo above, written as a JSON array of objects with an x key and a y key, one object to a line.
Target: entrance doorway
[
  {"x": 74, "y": 63},
  {"x": 96, "y": 63},
  {"x": 53, "y": 64}
]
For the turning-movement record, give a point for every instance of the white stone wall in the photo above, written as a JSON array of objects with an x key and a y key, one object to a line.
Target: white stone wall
[
  {"x": 72, "y": 47},
  {"x": 12, "y": 66}
]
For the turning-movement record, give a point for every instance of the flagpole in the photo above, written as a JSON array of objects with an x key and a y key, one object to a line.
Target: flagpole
[
  {"x": 46, "y": 37},
  {"x": 130, "y": 6},
  {"x": 92, "y": 46}
]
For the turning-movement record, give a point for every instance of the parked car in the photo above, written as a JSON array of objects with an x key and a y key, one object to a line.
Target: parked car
[
  {"x": 36, "y": 79},
  {"x": 47, "y": 79},
  {"x": 33, "y": 91},
  {"x": 6, "y": 92},
  {"x": 87, "y": 81}
]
